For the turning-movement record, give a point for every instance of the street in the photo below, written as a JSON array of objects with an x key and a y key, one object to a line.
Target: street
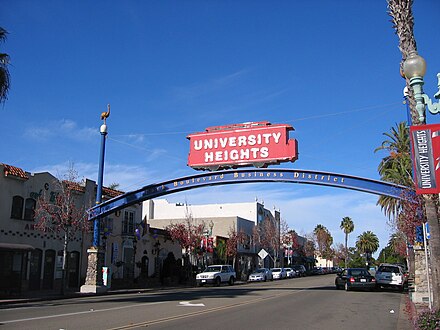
[{"x": 299, "y": 303}]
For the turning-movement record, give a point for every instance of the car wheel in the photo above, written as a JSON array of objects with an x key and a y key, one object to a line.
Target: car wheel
[
  {"x": 347, "y": 288},
  {"x": 231, "y": 280},
  {"x": 218, "y": 281},
  {"x": 265, "y": 279}
]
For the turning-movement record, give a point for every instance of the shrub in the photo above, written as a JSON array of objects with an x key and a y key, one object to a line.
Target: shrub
[{"x": 428, "y": 320}]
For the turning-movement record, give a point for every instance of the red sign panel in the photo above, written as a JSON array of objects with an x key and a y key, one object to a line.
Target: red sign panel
[
  {"x": 231, "y": 146},
  {"x": 425, "y": 145}
]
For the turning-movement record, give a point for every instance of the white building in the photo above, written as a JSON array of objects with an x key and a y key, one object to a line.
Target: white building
[{"x": 222, "y": 220}]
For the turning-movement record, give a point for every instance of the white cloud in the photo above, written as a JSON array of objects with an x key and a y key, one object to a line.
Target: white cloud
[
  {"x": 66, "y": 128},
  {"x": 208, "y": 87}
]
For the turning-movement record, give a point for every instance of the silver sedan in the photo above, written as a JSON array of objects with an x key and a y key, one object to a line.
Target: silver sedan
[{"x": 261, "y": 274}]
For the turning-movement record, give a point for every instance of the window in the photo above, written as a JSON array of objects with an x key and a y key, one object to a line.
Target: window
[
  {"x": 29, "y": 209},
  {"x": 106, "y": 226},
  {"x": 128, "y": 223},
  {"x": 17, "y": 207}
]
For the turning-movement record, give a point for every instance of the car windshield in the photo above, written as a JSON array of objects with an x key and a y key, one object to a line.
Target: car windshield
[
  {"x": 388, "y": 269},
  {"x": 261, "y": 270},
  {"x": 359, "y": 272},
  {"x": 276, "y": 269},
  {"x": 213, "y": 269}
]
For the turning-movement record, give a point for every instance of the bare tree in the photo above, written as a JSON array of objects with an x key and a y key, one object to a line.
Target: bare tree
[
  {"x": 235, "y": 238},
  {"x": 189, "y": 233},
  {"x": 63, "y": 215},
  {"x": 266, "y": 234}
]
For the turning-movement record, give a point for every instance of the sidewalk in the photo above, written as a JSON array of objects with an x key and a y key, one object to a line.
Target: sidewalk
[{"x": 47, "y": 295}]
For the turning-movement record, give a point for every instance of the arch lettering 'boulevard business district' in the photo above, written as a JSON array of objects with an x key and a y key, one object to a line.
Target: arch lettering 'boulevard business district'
[{"x": 246, "y": 176}]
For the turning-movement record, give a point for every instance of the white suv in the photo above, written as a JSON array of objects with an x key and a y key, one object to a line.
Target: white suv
[
  {"x": 216, "y": 274},
  {"x": 390, "y": 275}
]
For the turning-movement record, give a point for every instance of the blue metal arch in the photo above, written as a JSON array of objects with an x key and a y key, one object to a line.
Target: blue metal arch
[{"x": 246, "y": 176}]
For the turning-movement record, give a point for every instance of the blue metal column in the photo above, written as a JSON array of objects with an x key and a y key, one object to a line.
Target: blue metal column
[
  {"x": 97, "y": 222},
  {"x": 95, "y": 254}
]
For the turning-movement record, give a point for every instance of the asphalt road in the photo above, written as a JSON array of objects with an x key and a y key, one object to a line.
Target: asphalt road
[{"x": 300, "y": 303}]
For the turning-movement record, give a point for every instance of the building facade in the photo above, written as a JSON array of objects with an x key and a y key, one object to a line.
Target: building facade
[
  {"x": 31, "y": 259},
  {"x": 222, "y": 219}
]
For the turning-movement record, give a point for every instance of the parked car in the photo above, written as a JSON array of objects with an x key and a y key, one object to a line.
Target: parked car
[
  {"x": 317, "y": 271},
  {"x": 405, "y": 270},
  {"x": 336, "y": 270},
  {"x": 391, "y": 275},
  {"x": 261, "y": 274},
  {"x": 355, "y": 278},
  {"x": 300, "y": 270},
  {"x": 216, "y": 274},
  {"x": 290, "y": 273},
  {"x": 279, "y": 273}
]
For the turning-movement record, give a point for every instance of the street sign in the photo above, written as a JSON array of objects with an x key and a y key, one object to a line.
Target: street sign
[{"x": 263, "y": 254}]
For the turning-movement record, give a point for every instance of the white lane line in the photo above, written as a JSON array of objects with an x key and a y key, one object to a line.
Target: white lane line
[
  {"x": 190, "y": 304},
  {"x": 79, "y": 313}
]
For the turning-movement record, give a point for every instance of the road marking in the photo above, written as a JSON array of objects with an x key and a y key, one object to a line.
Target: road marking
[
  {"x": 79, "y": 313},
  {"x": 189, "y": 304},
  {"x": 205, "y": 311}
]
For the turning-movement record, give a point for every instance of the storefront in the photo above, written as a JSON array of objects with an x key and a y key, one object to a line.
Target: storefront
[{"x": 13, "y": 267}]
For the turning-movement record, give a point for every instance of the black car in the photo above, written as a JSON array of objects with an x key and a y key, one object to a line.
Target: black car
[
  {"x": 300, "y": 270},
  {"x": 355, "y": 278}
]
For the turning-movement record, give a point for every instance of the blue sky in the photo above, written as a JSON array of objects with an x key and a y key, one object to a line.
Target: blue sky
[{"x": 170, "y": 68}]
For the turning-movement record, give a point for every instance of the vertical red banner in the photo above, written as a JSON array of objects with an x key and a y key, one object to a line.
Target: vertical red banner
[{"x": 425, "y": 150}]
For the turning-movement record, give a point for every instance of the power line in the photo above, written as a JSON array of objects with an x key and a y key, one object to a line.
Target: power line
[{"x": 288, "y": 121}]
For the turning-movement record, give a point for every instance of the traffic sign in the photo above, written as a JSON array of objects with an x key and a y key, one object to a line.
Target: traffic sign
[{"x": 263, "y": 254}]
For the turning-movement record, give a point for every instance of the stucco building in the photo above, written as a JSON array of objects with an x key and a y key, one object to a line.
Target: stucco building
[
  {"x": 31, "y": 259},
  {"x": 222, "y": 219}
]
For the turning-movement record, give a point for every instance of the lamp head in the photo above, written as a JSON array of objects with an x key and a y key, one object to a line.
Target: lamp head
[{"x": 414, "y": 66}]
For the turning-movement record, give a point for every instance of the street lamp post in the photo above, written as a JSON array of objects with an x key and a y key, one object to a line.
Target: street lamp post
[
  {"x": 95, "y": 258},
  {"x": 414, "y": 68}
]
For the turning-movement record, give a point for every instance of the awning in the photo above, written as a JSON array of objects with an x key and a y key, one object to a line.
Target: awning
[{"x": 15, "y": 247}]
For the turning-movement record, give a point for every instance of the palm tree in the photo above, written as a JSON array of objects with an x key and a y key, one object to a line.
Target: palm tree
[
  {"x": 347, "y": 227},
  {"x": 324, "y": 241},
  {"x": 4, "y": 72},
  {"x": 320, "y": 235},
  {"x": 396, "y": 167},
  {"x": 403, "y": 23},
  {"x": 397, "y": 243},
  {"x": 367, "y": 243}
]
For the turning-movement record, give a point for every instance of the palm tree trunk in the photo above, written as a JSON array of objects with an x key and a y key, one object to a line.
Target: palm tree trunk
[{"x": 346, "y": 249}]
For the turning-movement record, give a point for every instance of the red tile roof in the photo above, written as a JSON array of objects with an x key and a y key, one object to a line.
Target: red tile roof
[
  {"x": 111, "y": 192},
  {"x": 10, "y": 170},
  {"x": 75, "y": 186}
]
